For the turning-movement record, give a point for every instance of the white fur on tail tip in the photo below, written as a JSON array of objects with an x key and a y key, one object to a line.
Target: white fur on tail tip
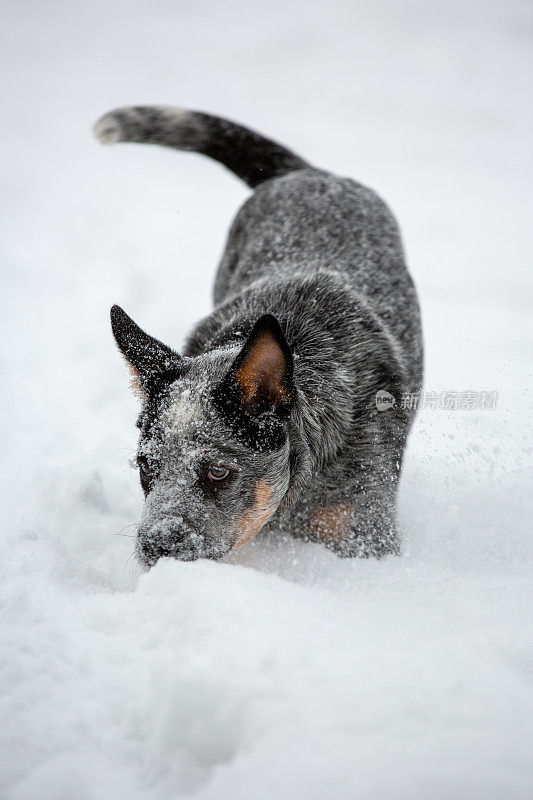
[{"x": 108, "y": 129}]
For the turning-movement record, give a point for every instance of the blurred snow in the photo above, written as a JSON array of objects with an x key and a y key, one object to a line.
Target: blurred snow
[{"x": 284, "y": 672}]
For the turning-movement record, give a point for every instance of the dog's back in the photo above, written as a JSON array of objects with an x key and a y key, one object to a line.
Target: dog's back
[
  {"x": 299, "y": 219},
  {"x": 323, "y": 255},
  {"x": 310, "y": 221}
]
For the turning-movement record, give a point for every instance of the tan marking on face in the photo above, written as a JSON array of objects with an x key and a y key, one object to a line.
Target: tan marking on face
[
  {"x": 266, "y": 363},
  {"x": 330, "y": 523},
  {"x": 252, "y": 521}
]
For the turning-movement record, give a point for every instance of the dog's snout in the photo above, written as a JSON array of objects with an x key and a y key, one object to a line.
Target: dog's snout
[{"x": 152, "y": 548}]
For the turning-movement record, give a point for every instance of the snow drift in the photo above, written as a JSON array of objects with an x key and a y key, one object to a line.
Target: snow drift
[{"x": 282, "y": 672}]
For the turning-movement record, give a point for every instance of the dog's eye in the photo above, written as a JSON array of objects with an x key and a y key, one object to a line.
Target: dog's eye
[
  {"x": 145, "y": 469},
  {"x": 217, "y": 473},
  {"x": 145, "y": 473}
]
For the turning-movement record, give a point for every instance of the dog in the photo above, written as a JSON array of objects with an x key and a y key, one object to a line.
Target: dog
[{"x": 271, "y": 413}]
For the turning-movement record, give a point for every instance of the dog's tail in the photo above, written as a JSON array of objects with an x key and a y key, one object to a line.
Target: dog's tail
[{"x": 246, "y": 153}]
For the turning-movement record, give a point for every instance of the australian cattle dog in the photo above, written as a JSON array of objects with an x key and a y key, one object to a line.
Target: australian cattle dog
[{"x": 285, "y": 405}]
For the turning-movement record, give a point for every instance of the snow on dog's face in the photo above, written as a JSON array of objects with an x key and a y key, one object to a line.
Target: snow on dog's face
[{"x": 213, "y": 452}]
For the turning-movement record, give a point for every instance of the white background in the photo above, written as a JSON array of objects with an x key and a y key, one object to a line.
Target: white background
[{"x": 284, "y": 672}]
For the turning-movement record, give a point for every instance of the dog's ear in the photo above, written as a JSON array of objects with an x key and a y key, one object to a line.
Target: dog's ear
[
  {"x": 263, "y": 369},
  {"x": 258, "y": 392},
  {"x": 151, "y": 362}
]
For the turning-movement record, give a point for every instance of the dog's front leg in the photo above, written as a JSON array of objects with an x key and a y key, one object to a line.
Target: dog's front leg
[
  {"x": 360, "y": 524},
  {"x": 359, "y": 521}
]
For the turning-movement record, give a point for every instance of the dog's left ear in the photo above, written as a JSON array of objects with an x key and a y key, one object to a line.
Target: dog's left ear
[
  {"x": 151, "y": 362},
  {"x": 263, "y": 370},
  {"x": 258, "y": 392}
]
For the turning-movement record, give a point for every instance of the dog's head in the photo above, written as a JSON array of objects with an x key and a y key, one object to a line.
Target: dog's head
[{"x": 213, "y": 452}]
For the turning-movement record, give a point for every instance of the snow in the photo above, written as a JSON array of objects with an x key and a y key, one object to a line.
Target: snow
[{"x": 283, "y": 672}]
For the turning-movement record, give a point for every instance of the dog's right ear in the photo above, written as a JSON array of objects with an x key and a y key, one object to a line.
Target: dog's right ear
[{"x": 150, "y": 362}]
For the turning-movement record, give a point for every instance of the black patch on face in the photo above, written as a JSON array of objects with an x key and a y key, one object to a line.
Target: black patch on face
[
  {"x": 158, "y": 390},
  {"x": 264, "y": 432}
]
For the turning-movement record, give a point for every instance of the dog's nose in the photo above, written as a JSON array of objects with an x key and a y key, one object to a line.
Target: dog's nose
[
  {"x": 154, "y": 548},
  {"x": 151, "y": 551}
]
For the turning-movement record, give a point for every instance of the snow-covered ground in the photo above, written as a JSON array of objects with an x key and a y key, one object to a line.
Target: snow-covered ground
[{"x": 283, "y": 672}]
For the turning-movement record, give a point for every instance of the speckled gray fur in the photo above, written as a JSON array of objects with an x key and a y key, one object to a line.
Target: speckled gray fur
[{"x": 323, "y": 255}]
